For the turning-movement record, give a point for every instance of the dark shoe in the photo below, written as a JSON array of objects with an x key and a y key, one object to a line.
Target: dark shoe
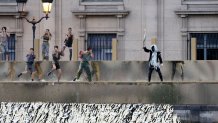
[
  {"x": 74, "y": 79},
  {"x": 49, "y": 73},
  {"x": 19, "y": 75}
]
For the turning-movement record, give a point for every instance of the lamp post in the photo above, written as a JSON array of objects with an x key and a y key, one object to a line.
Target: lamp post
[{"x": 47, "y": 5}]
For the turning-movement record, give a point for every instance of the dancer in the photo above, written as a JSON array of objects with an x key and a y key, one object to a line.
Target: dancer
[
  {"x": 69, "y": 41},
  {"x": 154, "y": 59},
  {"x": 38, "y": 71},
  {"x": 85, "y": 57},
  {"x": 95, "y": 70},
  {"x": 180, "y": 65},
  {"x": 55, "y": 63},
  {"x": 45, "y": 45},
  {"x": 29, "y": 64},
  {"x": 4, "y": 42}
]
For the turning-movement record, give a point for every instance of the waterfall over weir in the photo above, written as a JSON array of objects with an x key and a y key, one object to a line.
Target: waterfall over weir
[{"x": 86, "y": 113}]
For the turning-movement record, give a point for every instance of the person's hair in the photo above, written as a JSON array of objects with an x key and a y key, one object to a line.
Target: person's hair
[
  {"x": 89, "y": 48},
  {"x": 56, "y": 46},
  {"x": 69, "y": 28},
  {"x": 32, "y": 49},
  {"x": 4, "y": 28},
  {"x": 49, "y": 32}
]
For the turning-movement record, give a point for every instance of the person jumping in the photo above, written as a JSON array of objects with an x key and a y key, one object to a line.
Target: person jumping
[{"x": 29, "y": 64}]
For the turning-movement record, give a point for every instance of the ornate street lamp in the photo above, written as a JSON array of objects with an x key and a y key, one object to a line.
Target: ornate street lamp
[
  {"x": 47, "y": 4},
  {"x": 21, "y": 6}
]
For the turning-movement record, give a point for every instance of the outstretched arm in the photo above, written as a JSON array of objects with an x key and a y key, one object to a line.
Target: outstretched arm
[{"x": 146, "y": 50}]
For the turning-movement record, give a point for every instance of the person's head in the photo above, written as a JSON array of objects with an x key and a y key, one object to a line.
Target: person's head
[
  {"x": 154, "y": 48},
  {"x": 80, "y": 52},
  {"x": 4, "y": 29},
  {"x": 89, "y": 49},
  {"x": 56, "y": 48},
  {"x": 47, "y": 31},
  {"x": 31, "y": 50},
  {"x": 70, "y": 29}
]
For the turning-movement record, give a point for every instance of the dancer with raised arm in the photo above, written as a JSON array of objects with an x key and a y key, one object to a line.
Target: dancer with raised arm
[
  {"x": 69, "y": 42},
  {"x": 45, "y": 45},
  {"x": 85, "y": 57},
  {"x": 154, "y": 61}
]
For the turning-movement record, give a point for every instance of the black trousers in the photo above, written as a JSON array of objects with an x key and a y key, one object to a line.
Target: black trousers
[
  {"x": 151, "y": 68},
  {"x": 71, "y": 53}
]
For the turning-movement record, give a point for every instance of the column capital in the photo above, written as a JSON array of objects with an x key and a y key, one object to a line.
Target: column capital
[
  {"x": 183, "y": 16},
  {"x": 119, "y": 16},
  {"x": 184, "y": 33},
  {"x": 82, "y": 16}
]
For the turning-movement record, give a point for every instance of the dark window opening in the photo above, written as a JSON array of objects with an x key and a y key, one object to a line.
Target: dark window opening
[
  {"x": 207, "y": 45},
  {"x": 101, "y": 45}
]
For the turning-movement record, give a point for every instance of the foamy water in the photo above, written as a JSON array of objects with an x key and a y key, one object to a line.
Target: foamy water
[{"x": 86, "y": 113}]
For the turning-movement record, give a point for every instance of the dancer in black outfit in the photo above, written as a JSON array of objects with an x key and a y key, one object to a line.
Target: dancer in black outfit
[
  {"x": 55, "y": 63},
  {"x": 69, "y": 42},
  {"x": 154, "y": 59}
]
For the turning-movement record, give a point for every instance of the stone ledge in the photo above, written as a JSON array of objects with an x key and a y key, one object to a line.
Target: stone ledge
[
  {"x": 111, "y": 82},
  {"x": 100, "y": 12},
  {"x": 101, "y": 3},
  {"x": 195, "y": 2},
  {"x": 197, "y": 12}
]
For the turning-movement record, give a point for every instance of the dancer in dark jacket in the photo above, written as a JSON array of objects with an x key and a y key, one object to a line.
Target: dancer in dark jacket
[
  {"x": 69, "y": 42},
  {"x": 29, "y": 63},
  {"x": 154, "y": 61},
  {"x": 55, "y": 63}
]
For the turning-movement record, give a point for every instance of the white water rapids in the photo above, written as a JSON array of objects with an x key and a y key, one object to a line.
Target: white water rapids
[{"x": 85, "y": 113}]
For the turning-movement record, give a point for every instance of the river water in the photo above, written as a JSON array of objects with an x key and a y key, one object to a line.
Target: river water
[{"x": 86, "y": 113}]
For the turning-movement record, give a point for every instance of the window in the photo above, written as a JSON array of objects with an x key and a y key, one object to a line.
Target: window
[
  {"x": 207, "y": 45},
  {"x": 101, "y": 45},
  {"x": 102, "y": 0}
]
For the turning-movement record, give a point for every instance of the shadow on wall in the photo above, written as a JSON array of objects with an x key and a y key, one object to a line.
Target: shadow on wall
[{"x": 165, "y": 94}]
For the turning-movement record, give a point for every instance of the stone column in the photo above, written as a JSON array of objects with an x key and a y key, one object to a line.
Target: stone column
[
  {"x": 160, "y": 26},
  {"x": 58, "y": 22},
  {"x": 82, "y": 33},
  {"x": 120, "y": 35},
  {"x": 184, "y": 34},
  {"x": 19, "y": 39}
]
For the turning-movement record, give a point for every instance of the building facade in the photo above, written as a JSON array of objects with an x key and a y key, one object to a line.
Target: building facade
[{"x": 96, "y": 22}]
